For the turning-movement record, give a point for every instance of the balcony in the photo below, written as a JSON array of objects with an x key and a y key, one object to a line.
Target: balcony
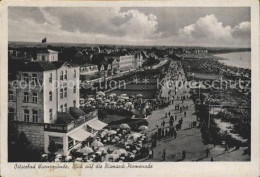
[{"x": 66, "y": 127}]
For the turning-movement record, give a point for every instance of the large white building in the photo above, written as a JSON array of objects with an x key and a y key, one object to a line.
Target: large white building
[
  {"x": 42, "y": 98},
  {"x": 46, "y": 89},
  {"x": 125, "y": 61},
  {"x": 47, "y": 55},
  {"x": 88, "y": 69},
  {"x": 138, "y": 60}
]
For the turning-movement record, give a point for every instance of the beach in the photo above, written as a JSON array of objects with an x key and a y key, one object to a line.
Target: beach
[{"x": 237, "y": 59}]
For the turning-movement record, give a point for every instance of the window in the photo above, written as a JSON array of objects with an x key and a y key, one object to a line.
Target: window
[
  {"x": 26, "y": 77},
  {"x": 65, "y": 107},
  {"x": 11, "y": 114},
  {"x": 50, "y": 78},
  {"x": 58, "y": 141},
  {"x": 26, "y": 115},
  {"x": 74, "y": 103},
  {"x": 75, "y": 73},
  {"x": 43, "y": 58},
  {"x": 50, "y": 96},
  {"x": 26, "y": 97},
  {"x": 65, "y": 92},
  {"x": 35, "y": 116},
  {"x": 70, "y": 142},
  {"x": 74, "y": 89},
  {"x": 61, "y": 93},
  {"x": 35, "y": 97},
  {"x": 34, "y": 78},
  {"x": 11, "y": 96},
  {"x": 66, "y": 75},
  {"x": 61, "y": 75},
  {"x": 50, "y": 114},
  {"x": 61, "y": 108}
]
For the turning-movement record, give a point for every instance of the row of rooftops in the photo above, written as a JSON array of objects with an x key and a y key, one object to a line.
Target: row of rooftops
[
  {"x": 45, "y": 50},
  {"x": 31, "y": 66},
  {"x": 21, "y": 65},
  {"x": 40, "y": 66}
]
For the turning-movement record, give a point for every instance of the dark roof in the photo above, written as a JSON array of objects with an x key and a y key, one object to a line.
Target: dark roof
[
  {"x": 76, "y": 112},
  {"x": 37, "y": 66},
  {"x": 47, "y": 51},
  {"x": 63, "y": 118},
  {"x": 58, "y": 64},
  {"x": 14, "y": 65},
  {"x": 30, "y": 66},
  {"x": 110, "y": 60},
  {"x": 87, "y": 64},
  {"x": 121, "y": 53},
  {"x": 88, "y": 110}
]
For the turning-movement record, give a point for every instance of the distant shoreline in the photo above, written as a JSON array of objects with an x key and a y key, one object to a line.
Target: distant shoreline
[
  {"x": 227, "y": 60},
  {"x": 212, "y": 50},
  {"x": 227, "y": 52}
]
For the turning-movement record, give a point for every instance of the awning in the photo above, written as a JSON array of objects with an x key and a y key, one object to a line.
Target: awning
[
  {"x": 97, "y": 124},
  {"x": 80, "y": 135}
]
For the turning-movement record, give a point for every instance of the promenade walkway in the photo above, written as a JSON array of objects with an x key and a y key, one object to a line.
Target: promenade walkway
[{"x": 188, "y": 139}]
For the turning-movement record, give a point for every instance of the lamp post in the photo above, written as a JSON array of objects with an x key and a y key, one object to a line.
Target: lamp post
[
  {"x": 209, "y": 118},
  {"x": 199, "y": 92}
]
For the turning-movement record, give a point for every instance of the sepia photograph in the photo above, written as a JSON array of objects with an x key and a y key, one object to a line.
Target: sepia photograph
[
  {"x": 129, "y": 84},
  {"x": 129, "y": 88}
]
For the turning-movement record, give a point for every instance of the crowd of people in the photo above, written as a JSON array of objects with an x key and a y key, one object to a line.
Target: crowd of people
[
  {"x": 172, "y": 122},
  {"x": 120, "y": 145}
]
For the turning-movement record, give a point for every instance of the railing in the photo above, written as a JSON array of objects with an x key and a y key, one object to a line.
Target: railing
[{"x": 64, "y": 128}]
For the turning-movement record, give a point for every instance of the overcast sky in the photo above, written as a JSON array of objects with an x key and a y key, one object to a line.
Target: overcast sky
[{"x": 189, "y": 26}]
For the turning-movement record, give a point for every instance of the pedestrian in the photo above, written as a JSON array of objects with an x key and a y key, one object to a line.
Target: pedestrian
[
  {"x": 163, "y": 132},
  {"x": 163, "y": 154},
  {"x": 163, "y": 123},
  {"x": 183, "y": 154},
  {"x": 155, "y": 140},
  {"x": 211, "y": 159},
  {"x": 159, "y": 134},
  {"x": 151, "y": 153},
  {"x": 166, "y": 132},
  {"x": 172, "y": 131},
  {"x": 171, "y": 122},
  {"x": 185, "y": 114},
  {"x": 171, "y": 118},
  {"x": 207, "y": 152},
  {"x": 226, "y": 147},
  {"x": 175, "y": 134}
]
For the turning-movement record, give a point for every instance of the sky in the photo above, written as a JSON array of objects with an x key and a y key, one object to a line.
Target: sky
[{"x": 174, "y": 26}]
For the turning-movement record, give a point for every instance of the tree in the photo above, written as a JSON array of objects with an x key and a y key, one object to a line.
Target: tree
[
  {"x": 21, "y": 148},
  {"x": 22, "y": 141},
  {"x": 52, "y": 147}
]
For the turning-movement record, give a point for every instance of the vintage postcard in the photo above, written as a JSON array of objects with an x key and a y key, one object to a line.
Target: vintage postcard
[{"x": 113, "y": 88}]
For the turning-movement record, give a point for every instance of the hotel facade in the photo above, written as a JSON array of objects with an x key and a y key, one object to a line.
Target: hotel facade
[{"x": 41, "y": 97}]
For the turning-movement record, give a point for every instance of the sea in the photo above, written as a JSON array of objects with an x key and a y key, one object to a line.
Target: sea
[{"x": 237, "y": 59}]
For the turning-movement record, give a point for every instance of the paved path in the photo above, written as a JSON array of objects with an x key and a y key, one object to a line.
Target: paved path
[{"x": 188, "y": 139}]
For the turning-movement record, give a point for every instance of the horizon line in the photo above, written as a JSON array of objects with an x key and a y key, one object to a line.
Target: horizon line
[{"x": 130, "y": 44}]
